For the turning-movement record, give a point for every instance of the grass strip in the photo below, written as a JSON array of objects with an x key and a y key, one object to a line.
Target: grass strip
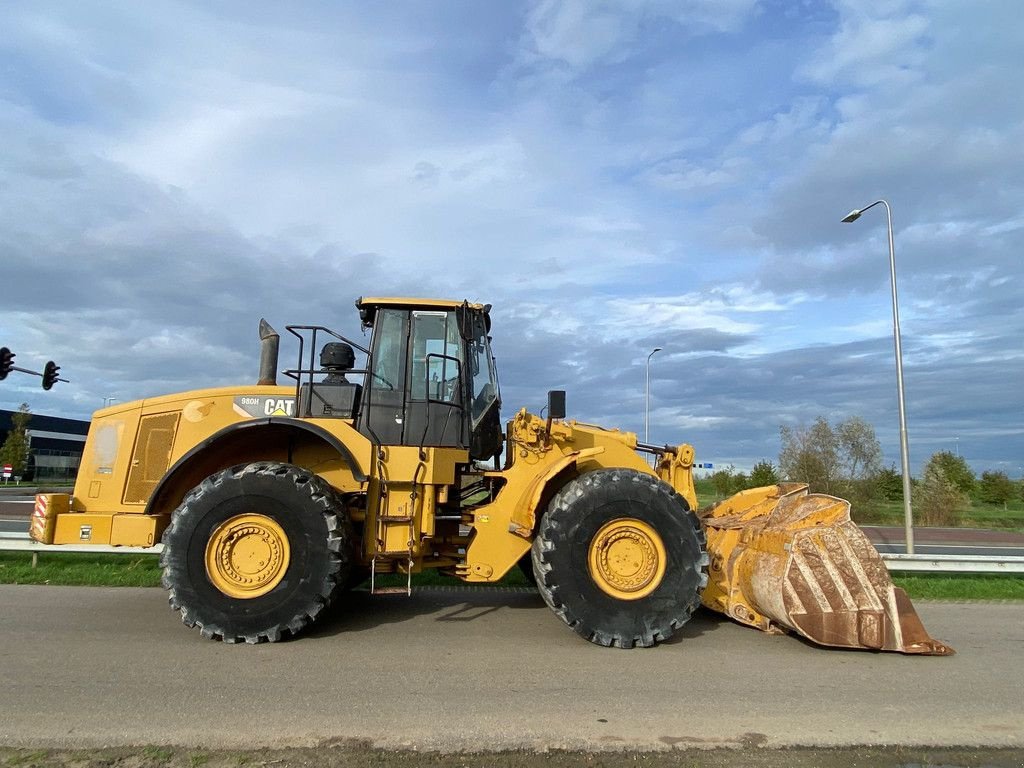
[
  {"x": 966, "y": 586},
  {"x": 102, "y": 570},
  {"x": 80, "y": 569}
]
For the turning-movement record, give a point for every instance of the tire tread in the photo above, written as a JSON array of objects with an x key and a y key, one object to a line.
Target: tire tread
[
  {"x": 545, "y": 551},
  {"x": 338, "y": 529}
]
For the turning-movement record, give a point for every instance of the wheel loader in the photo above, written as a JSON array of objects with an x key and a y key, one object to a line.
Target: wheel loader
[{"x": 271, "y": 499}]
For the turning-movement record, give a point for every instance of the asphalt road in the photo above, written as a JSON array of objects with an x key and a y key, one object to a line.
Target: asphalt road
[
  {"x": 453, "y": 669},
  {"x": 15, "y": 511},
  {"x": 948, "y": 541}
]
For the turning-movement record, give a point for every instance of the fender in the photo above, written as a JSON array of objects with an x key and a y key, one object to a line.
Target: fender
[
  {"x": 327, "y": 437},
  {"x": 524, "y": 515}
]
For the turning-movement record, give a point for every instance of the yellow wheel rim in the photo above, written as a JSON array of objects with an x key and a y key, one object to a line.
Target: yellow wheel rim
[
  {"x": 247, "y": 556},
  {"x": 627, "y": 559}
]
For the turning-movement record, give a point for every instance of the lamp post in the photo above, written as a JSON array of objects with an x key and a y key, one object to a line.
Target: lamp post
[
  {"x": 904, "y": 447},
  {"x": 647, "y": 398}
]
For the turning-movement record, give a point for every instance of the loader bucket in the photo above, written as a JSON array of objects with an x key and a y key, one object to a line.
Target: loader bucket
[{"x": 784, "y": 559}]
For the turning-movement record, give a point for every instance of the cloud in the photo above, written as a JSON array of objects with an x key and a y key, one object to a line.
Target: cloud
[
  {"x": 874, "y": 45},
  {"x": 611, "y": 176},
  {"x": 581, "y": 34}
]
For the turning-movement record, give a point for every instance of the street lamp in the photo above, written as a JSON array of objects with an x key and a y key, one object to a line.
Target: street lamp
[
  {"x": 647, "y": 399},
  {"x": 107, "y": 401},
  {"x": 904, "y": 448}
]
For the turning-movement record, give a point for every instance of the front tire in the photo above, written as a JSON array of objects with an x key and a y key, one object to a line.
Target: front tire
[
  {"x": 255, "y": 552},
  {"x": 620, "y": 558}
]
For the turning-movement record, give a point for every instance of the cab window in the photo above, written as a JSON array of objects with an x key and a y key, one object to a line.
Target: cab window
[
  {"x": 388, "y": 365},
  {"x": 485, "y": 379},
  {"x": 435, "y": 356}
]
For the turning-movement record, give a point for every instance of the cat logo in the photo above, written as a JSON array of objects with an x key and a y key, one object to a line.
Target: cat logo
[
  {"x": 256, "y": 406},
  {"x": 279, "y": 407}
]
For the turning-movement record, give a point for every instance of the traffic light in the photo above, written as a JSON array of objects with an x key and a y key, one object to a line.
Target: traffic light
[
  {"x": 50, "y": 374},
  {"x": 6, "y": 362}
]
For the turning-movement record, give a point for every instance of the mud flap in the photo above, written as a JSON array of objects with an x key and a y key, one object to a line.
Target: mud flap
[{"x": 784, "y": 559}]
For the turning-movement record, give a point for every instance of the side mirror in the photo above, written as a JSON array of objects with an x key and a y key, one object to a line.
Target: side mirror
[{"x": 556, "y": 404}]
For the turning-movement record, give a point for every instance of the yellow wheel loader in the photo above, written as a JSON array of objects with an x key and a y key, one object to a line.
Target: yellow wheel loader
[{"x": 272, "y": 499}]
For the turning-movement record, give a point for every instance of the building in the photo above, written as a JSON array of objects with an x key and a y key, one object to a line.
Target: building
[{"x": 55, "y": 445}]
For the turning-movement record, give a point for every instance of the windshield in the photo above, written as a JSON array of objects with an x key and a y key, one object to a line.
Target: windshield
[{"x": 485, "y": 380}]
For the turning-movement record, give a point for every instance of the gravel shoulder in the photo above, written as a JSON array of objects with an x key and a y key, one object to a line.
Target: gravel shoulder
[{"x": 355, "y": 756}]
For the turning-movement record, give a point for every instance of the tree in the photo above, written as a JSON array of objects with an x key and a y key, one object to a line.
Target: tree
[
  {"x": 763, "y": 473},
  {"x": 15, "y": 448},
  {"x": 938, "y": 499},
  {"x": 995, "y": 488},
  {"x": 811, "y": 455},
  {"x": 722, "y": 479},
  {"x": 861, "y": 456},
  {"x": 860, "y": 451},
  {"x": 889, "y": 483},
  {"x": 740, "y": 482},
  {"x": 843, "y": 460},
  {"x": 955, "y": 469}
]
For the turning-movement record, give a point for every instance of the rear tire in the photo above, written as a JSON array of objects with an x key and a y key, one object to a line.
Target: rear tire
[
  {"x": 255, "y": 552},
  {"x": 620, "y": 558}
]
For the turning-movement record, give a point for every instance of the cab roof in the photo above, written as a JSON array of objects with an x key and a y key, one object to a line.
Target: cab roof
[{"x": 391, "y": 301}]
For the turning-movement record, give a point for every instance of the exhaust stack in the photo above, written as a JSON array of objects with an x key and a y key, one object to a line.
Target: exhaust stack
[{"x": 269, "y": 341}]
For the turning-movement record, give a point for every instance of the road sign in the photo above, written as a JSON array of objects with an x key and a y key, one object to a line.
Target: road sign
[{"x": 8, "y": 471}]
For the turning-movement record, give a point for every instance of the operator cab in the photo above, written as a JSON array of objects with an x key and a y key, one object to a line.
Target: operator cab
[{"x": 430, "y": 378}]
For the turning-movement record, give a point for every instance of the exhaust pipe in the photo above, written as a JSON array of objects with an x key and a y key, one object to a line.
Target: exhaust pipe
[{"x": 269, "y": 341}]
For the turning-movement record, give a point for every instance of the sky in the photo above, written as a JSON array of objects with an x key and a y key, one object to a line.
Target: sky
[{"x": 611, "y": 176}]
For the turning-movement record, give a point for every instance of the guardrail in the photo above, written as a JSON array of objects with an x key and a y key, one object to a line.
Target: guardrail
[
  {"x": 954, "y": 563},
  {"x": 20, "y": 542}
]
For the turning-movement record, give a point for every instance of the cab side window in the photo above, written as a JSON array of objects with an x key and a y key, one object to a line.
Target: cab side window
[
  {"x": 435, "y": 359},
  {"x": 485, "y": 379},
  {"x": 388, "y": 368}
]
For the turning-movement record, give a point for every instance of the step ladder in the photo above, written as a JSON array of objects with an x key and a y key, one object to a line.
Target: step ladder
[
  {"x": 406, "y": 590},
  {"x": 386, "y": 522}
]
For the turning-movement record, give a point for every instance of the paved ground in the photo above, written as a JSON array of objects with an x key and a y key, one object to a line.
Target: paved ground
[
  {"x": 948, "y": 541},
  {"x": 451, "y": 669},
  {"x": 16, "y": 507}
]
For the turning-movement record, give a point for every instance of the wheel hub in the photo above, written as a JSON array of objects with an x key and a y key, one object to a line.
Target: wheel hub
[
  {"x": 247, "y": 556},
  {"x": 627, "y": 559}
]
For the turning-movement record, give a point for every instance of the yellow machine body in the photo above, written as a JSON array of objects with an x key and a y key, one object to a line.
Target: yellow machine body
[
  {"x": 780, "y": 559},
  {"x": 141, "y": 458},
  {"x": 541, "y": 460}
]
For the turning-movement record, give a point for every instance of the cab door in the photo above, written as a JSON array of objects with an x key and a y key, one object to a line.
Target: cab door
[{"x": 435, "y": 406}]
